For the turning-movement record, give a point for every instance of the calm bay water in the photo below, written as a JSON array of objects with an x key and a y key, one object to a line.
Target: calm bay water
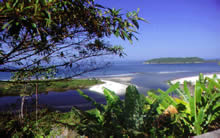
[{"x": 145, "y": 77}]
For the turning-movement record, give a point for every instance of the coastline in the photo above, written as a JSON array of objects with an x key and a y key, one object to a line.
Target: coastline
[
  {"x": 115, "y": 84},
  {"x": 118, "y": 84},
  {"x": 193, "y": 79}
]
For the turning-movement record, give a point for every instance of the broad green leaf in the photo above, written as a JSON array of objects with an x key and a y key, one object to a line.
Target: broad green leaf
[
  {"x": 8, "y": 5},
  {"x": 194, "y": 110},
  {"x": 215, "y": 96},
  {"x": 197, "y": 128},
  {"x": 99, "y": 115},
  {"x": 186, "y": 90},
  {"x": 133, "y": 111},
  {"x": 201, "y": 78},
  {"x": 97, "y": 105},
  {"x": 217, "y": 85},
  {"x": 172, "y": 88},
  {"x": 201, "y": 116},
  {"x": 217, "y": 105},
  {"x": 197, "y": 92},
  {"x": 185, "y": 103},
  {"x": 153, "y": 96},
  {"x": 132, "y": 98},
  {"x": 111, "y": 97},
  {"x": 180, "y": 92},
  {"x": 192, "y": 106}
]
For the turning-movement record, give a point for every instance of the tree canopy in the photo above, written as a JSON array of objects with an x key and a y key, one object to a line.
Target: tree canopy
[{"x": 40, "y": 35}]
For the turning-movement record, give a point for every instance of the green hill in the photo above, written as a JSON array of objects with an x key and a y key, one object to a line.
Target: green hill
[{"x": 175, "y": 60}]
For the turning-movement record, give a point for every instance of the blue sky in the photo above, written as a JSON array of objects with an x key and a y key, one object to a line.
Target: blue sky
[{"x": 177, "y": 28}]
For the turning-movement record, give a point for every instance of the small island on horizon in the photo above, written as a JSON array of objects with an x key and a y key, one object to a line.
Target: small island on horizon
[{"x": 178, "y": 60}]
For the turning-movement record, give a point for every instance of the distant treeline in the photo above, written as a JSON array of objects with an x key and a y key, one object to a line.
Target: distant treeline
[{"x": 176, "y": 60}]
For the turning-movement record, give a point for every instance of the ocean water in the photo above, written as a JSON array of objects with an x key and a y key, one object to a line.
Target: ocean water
[
  {"x": 145, "y": 77},
  {"x": 154, "y": 76}
]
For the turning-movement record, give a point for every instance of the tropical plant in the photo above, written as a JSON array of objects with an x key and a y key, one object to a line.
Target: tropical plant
[
  {"x": 196, "y": 109},
  {"x": 135, "y": 116},
  {"x": 117, "y": 118},
  {"x": 156, "y": 115}
]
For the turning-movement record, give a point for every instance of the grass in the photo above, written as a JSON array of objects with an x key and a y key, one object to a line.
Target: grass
[{"x": 9, "y": 88}]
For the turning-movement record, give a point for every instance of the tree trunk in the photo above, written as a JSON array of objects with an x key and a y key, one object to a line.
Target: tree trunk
[
  {"x": 22, "y": 107},
  {"x": 22, "y": 102},
  {"x": 36, "y": 101}
]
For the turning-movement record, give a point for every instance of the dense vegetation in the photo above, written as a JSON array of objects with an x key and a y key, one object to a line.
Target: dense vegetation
[
  {"x": 172, "y": 60},
  {"x": 36, "y": 33},
  {"x": 39, "y": 35},
  {"x": 10, "y": 88},
  {"x": 135, "y": 116}
]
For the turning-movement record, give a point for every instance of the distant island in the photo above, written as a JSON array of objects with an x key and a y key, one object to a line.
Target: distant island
[{"x": 177, "y": 60}]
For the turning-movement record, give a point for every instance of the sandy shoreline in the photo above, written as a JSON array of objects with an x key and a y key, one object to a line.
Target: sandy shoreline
[
  {"x": 119, "y": 84},
  {"x": 193, "y": 79},
  {"x": 116, "y": 84}
]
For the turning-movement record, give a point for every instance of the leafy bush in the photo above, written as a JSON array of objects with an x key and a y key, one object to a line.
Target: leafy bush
[
  {"x": 12, "y": 126},
  {"x": 197, "y": 110},
  {"x": 154, "y": 115},
  {"x": 116, "y": 118}
]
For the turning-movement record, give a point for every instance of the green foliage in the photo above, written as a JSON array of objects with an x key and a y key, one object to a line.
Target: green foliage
[
  {"x": 33, "y": 34},
  {"x": 155, "y": 115},
  {"x": 170, "y": 60},
  {"x": 133, "y": 110},
  {"x": 117, "y": 118},
  {"x": 196, "y": 109},
  {"x": 12, "y": 126},
  {"x": 203, "y": 105},
  {"x": 10, "y": 88}
]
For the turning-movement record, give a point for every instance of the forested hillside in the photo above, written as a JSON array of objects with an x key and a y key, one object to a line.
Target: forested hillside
[{"x": 171, "y": 60}]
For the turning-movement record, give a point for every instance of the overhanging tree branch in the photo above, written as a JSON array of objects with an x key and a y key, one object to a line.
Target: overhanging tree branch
[{"x": 37, "y": 36}]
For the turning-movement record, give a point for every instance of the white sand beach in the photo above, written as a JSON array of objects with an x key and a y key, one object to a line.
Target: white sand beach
[
  {"x": 119, "y": 84},
  {"x": 193, "y": 79},
  {"x": 116, "y": 84}
]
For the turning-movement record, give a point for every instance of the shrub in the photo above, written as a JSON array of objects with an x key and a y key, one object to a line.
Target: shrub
[{"x": 154, "y": 115}]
